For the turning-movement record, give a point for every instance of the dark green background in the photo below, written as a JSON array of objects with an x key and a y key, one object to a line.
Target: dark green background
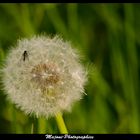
[{"x": 108, "y": 37}]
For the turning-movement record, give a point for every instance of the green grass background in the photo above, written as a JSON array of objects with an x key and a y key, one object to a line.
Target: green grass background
[{"x": 108, "y": 37}]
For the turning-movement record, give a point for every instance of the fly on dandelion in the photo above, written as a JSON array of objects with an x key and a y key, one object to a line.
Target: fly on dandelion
[{"x": 25, "y": 55}]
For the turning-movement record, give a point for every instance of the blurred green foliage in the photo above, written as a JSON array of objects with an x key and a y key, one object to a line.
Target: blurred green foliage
[{"x": 107, "y": 35}]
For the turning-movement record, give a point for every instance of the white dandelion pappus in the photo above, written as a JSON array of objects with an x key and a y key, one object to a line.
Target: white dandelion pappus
[{"x": 48, "y": 79}]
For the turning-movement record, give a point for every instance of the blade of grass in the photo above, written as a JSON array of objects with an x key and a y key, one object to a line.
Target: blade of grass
[{"x": 41, "y": 125}]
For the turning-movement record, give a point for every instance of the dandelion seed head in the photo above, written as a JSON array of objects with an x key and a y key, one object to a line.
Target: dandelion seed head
[{"x": 49, "y": 81}]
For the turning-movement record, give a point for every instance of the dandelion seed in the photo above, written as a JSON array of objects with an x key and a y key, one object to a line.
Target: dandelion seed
[{"x": 49, "y": 82}]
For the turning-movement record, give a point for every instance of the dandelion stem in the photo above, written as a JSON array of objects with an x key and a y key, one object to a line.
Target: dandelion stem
[{"x": 61, "y": 124}]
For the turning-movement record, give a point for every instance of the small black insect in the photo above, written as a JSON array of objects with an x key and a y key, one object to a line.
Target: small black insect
[{"x": 25, "y": 55}]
